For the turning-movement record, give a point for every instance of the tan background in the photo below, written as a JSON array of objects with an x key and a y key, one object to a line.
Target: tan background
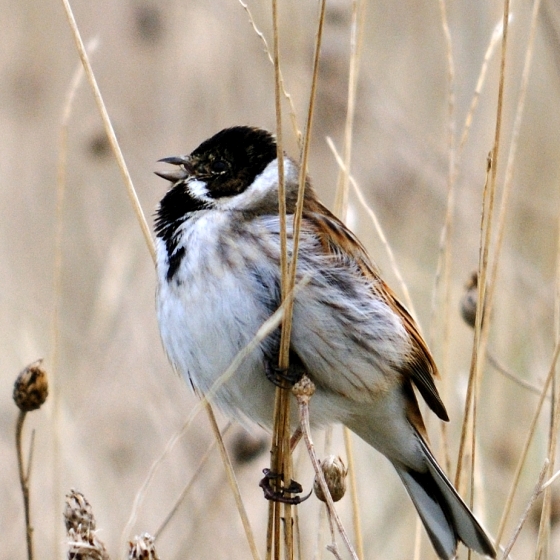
[{"x": 172, "y": 74}]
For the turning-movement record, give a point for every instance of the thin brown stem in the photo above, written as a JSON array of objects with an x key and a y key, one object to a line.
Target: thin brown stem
[
  {"x": 232, "y": 482},
  {"x": 280, "y": 452},
  {"x": 529, "y": 439},
  {"x": 190, "y": 484},
  {"x": 24, "y": 483},
  {"x": 539, "y": 487},
  {"x": 303, "y": 403},
  {"x": 358, "y": 538}
]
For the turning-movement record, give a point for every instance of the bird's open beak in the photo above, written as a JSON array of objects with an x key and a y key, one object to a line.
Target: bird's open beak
[{"x": 185, "y": 168}]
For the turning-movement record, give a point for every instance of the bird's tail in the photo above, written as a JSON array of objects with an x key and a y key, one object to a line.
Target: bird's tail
[{"x": 446, "y": 517}]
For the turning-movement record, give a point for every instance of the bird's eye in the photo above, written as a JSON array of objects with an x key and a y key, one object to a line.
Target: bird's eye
[{"x": 218, "y": 166}]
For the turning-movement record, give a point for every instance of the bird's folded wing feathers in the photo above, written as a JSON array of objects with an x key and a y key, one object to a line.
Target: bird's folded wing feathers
[{"x": 337, "y": 239}]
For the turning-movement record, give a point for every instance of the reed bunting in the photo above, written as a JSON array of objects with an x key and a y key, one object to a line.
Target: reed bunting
[{"x": 218, "y": 266}]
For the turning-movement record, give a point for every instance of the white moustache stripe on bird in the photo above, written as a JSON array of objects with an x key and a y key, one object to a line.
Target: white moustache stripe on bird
[{"x": 198, "y": 190}]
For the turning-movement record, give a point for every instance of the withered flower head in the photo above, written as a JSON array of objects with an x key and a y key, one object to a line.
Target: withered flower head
[
  {"x": 142, "y": 548},
  {"x": 335, "y": 473},
  {"x": 31, "y": 387}
]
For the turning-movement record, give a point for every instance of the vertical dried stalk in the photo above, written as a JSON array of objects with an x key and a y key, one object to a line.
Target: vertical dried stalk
[
  {"x": 232, "y": 482},
  {"x": 358, "y": 538},
  {"x": 24, "y": 483},
  {"x": 444, "y": 261},
  {"x": 357, "y": 27},
  {"x": 483, "y": 262},
  {"x": 281, "y": 459},
  {"x": 279, "y": 79},
  {"x": 111, "y": 136},
  {"x": 280, "y": 452},
  {"x": 482, "y": 329},
  {"x": 341, "y": 208}
]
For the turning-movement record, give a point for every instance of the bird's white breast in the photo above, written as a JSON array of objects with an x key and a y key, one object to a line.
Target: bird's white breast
[{"x": 208, "y": 312}]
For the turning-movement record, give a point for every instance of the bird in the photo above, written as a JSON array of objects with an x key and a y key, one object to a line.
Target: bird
[{"x": 218, "y": 280}]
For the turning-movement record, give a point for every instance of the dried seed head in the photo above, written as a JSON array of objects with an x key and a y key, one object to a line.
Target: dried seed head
[
  {"x": 469, "y": 300},
  {"x": 335, "y": 474},
  {"x": 31, "y": 387},
  {"x": 83, "y": 543},
  {"x": 304, "y": 389},
  {"x": 78, "y": 514},
  {"x": 142, "y": 548}
]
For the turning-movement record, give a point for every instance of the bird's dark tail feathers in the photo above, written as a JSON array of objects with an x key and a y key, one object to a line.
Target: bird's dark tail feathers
[{"x": 446, "y": 517}]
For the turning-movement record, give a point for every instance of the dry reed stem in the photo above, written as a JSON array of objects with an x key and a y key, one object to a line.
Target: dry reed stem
[
  {"x": 356, "y": 518},
  {"x": 535, "y": 494},
  {"x": 482, "y": 328},
  {"x": 508, "y": 181},
  {"x": 356, "y": 35},
  {"x": 24, "y": 483},
  {"x": 340, "y": 209},
  {"x": 190, "y": 483},
  {"x": 444, "y": 263},
  {"x": 280, "y": 452},
  {"x": 280, "y": 79},
  {"x": 378, "y": 229},
  {"x": 322, "y": 516},
  {"x": 233, "y": 483},
  {"x": 281, "y": 460},
  {"x": 500, "y": 368},
  {"x": 543, "y": 540},
  {"x": 496, "y": 34},
  {"x": 303, "y": 391},
  {"x": 482, "y": 265},
  {"x": 111, "y": 136},
  {"x": 509, "y": 501},
  {"x": 286, "y": 325},
  {"x": 447, "y": 232}
]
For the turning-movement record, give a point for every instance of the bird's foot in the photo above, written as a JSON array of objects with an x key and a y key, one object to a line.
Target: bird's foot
[
  {"x": 285, "y": 378},
  {"x": 279, "y": 494}
]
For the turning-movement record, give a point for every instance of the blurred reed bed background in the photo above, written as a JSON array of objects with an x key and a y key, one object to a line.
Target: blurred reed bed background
[{"x": 172, "y": 74}]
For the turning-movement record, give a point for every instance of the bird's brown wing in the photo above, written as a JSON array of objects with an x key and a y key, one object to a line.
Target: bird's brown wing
[{"x": 337, "y": 239}]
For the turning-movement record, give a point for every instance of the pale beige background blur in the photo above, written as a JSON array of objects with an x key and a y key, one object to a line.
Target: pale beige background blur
[{"x": 172, "y": 74}]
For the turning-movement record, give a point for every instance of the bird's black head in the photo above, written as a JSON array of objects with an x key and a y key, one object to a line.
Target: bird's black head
[
  {"x": 217, "y": 174},
  {"x": 226, "y": 164}
]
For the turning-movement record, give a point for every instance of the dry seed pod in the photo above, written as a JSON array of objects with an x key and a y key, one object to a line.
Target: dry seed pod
[
  {"x": 142, "y": 548},
  {"x": 78, "y": 512},
  {"x": 303, "y": 390},
  {"x": 83, "y": 543},
  {"x": 469, "y": 300},
  {"x": 335, "y": 473},
  {"x": 31, "y": 387}
]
